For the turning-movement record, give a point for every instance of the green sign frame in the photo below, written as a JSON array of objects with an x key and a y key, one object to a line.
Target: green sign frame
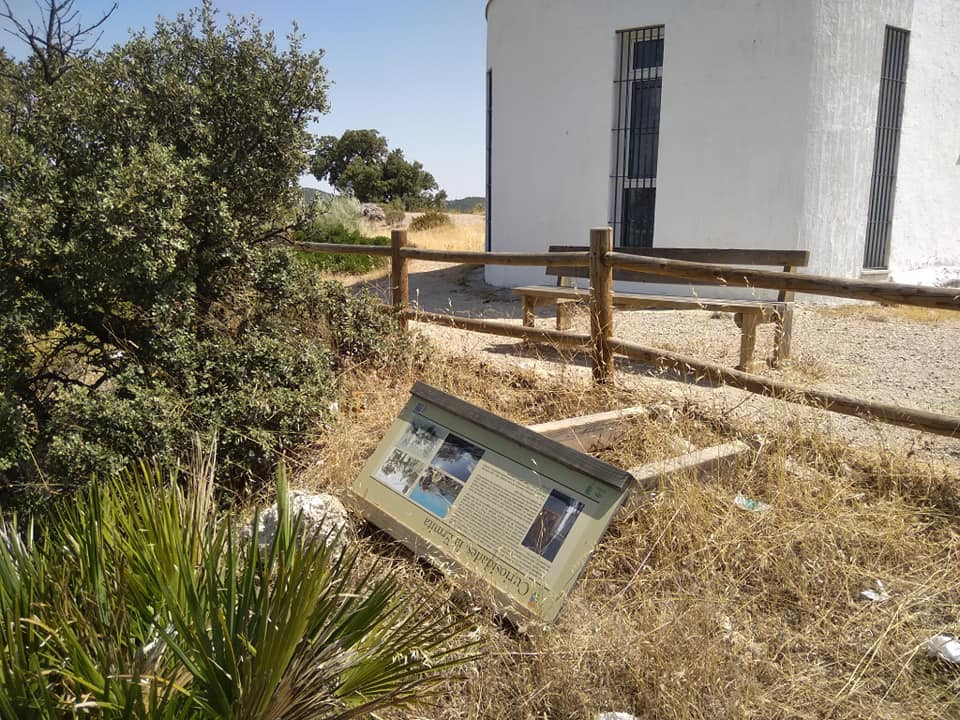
[{"x": 482, "y": 497}]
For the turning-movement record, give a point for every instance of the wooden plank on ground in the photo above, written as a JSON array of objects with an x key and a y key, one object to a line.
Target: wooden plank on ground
[
  {"x": 706, "y": 463},
  {"x": 588, "y": 432}
]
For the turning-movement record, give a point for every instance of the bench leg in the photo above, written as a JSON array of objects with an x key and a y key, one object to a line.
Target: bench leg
[
  {"x": 528, "y": 307},
  {"x": 748, "y": 340},
  {"x": 564, "y": 315},
  {"x": 782, "y": 335}
]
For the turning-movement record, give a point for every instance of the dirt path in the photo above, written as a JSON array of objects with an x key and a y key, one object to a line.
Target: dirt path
[{"x": 883, "y": 354}]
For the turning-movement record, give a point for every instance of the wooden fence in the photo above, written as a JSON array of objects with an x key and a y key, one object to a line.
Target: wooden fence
[{"x": 601, "y": 345}]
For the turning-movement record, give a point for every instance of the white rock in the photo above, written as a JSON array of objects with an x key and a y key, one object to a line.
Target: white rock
[
  {"x": 615, "y": 716},
  {"x": 323, "y": 517}
]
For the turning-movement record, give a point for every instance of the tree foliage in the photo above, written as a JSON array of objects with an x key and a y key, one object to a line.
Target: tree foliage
[
  {"x": 140, "y": 300},
  {"x": 359, "y": 163}
]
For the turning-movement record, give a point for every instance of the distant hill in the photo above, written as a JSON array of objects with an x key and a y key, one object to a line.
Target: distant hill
[
  {"x": 310, "y": 193},
  {"x": 466, "y": 204}
]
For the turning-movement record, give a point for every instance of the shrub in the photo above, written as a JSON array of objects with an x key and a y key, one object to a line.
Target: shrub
[
  {"x": 135, "y": 600},
  {"x": 137, "y": 301},
  {"x": 338, "y": 212},
  {"x": 429, "y": 221},
  {"x": 394, "y": 211},
  {"x": 261, "y": 375}
]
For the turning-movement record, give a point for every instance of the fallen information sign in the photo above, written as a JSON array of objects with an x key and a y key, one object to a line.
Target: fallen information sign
[{"x": 474, "y": 492}]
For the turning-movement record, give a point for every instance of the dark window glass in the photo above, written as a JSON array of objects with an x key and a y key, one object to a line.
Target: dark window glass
[
  {"x": 647, "y": 54},
  {"x": 644, "y": 129},
  {"x": 638, "y": 207}
]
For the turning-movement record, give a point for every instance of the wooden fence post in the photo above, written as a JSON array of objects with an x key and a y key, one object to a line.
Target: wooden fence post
[
  {"x": 399, "y": 282},
  {"x": 601, "y": 303}
]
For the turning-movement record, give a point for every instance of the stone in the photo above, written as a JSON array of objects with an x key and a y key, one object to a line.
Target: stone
[
  {"x": 373, "y": 212},
  {"x": 322, "y": 517}
]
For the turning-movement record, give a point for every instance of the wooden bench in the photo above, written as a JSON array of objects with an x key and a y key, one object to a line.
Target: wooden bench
[{"x": 748, "y": 314}]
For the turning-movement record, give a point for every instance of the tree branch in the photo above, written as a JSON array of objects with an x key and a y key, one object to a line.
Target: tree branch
[{"x": 54, "y": 45}]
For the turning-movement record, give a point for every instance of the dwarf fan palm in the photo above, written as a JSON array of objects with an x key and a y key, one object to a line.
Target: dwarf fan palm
[{"x": 135, "y": 600}]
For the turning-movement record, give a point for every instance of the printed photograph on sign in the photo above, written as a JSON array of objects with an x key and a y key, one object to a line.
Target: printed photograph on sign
[
  {"x": 400, "y": 471},
  {"x": 422, "y": 438},
  {"x": 457, "y": 457},
  {"x": 436, "y": 492},
  {"x": 551, "y": 526}
]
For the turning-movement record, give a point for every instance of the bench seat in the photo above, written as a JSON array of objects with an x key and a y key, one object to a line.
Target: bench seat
[
  {"x": 747, "y": 314},
  {"x": 769, "y": 309}
]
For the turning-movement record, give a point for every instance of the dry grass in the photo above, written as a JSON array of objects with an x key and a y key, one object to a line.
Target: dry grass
[
  {"x": 691, "y": 607},
  {"x": 888, "y": 313},
  {"x": 466, "y": 232},
  {"x": 806, "y": 368}
]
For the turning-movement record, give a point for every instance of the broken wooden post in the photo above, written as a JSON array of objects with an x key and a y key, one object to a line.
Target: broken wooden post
[
  {"x": 399, "y": 282},
  {"x": 601, "y": 303}
]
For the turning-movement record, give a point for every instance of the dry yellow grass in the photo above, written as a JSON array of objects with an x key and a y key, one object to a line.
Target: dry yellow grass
[
  {"x": 887, "y": 313},
  {"x": 691, "y": 607},
  {"x": 465, "y": 232}
]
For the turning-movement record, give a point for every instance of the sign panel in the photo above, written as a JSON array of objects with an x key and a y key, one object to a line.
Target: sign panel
[{"x": 477, "y": 493}]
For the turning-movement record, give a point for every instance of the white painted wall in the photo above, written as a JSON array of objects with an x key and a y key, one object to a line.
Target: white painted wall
[
  {"x": 767, "y": 125},
  {"x": 732, "y": 121},
  {"x": 841, "y": 128},
  {"x": 926, "y": 224}
]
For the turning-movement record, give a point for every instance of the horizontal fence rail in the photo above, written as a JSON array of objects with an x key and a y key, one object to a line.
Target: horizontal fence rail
[
  {"x": 497, "y": 327},
  {"x": 894, "y": 293},
  {"x": 601, "y": 346},
  {"x": 338, "y": 249},
  {"x": 948, "y": 425},
  {"x": 567, "y": 259}
]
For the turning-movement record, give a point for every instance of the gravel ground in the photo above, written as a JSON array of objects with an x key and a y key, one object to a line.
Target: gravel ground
[{"x": 879, "y": 355}]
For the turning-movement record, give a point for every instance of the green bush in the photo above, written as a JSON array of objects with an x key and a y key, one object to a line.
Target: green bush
[
  {"x": 340, "y": 264},
  {"x": 136, "y": 600},
  {"x": 394, "y": 211},
  {"x": 338, "y": 212},
  {"x": 261, "y": 376},
  {"x": 140, "y": 191},
  {"x": 430, "y": 220}
]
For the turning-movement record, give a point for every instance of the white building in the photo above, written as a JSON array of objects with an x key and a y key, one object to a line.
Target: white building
[{"x": 826, "y": 125}]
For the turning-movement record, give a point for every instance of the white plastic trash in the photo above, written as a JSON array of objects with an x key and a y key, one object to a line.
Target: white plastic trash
[
  {"x": 878, "y": 595},
  {"x": 749, "y": 504},
  {"x": 944, "y": 647}
]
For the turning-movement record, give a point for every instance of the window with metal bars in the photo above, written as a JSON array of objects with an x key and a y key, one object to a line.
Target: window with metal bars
[
  {"x": 883, "y": 185},
  {"x": 636, "y": 135}
]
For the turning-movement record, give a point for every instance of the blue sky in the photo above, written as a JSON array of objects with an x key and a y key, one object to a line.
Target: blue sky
[{"x": 412, "y": 69}]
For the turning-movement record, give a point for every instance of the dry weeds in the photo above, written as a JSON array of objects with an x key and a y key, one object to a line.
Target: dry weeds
[
  {"x": 691, "y": 607},
  {"x": 466, "y": 232},
  {"x": 888, "y": 313}
]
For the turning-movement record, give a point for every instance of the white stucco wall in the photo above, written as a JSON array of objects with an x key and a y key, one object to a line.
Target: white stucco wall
[
  {"x": 733, "y": 114},
  {"x": 767, "y": 125},
  {"x": 841, "y": 128},
  {"x": 926, "y": 223}
]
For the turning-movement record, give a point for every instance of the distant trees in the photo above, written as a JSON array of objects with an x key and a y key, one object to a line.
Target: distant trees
[{"x": 359, "y": 163}]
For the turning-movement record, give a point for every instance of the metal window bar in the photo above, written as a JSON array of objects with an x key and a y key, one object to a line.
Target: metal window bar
[
  {"x": 489, "y": 159},
  {"x": 883, "y": 184},
  {"x": 636, "y": 134}
]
